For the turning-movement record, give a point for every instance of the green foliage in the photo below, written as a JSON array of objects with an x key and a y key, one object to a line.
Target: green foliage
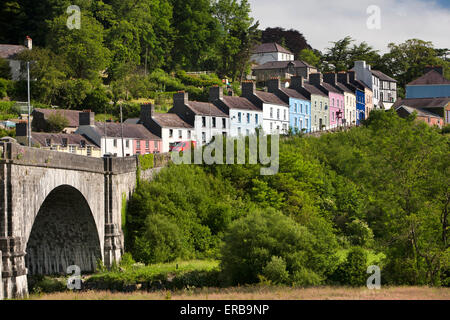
[
  {"x": 127, "y": 261},
  {"x": 309, "y": 56},
  {"x": 56, "y": 122},
  {"x": 5, "y": 70},
  {"x": 6, "y": 87},
  {"x": 146, "y": 161},
  {"x": 353, "y": 271},
  {"x": 275, "y": 271},
  {"x": 46, "y": 284}
]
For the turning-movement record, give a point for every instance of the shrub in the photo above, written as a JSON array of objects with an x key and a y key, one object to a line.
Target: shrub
[
  {"x": 275, "y": 271},
  {"x": 146, "y": 161},
  {"x": 56, "y": 122},
  {"x": 161, "y": 242},
  {"x": 353, "y": 271},
  {"x": 97, "y": 100},
  {"x": 360, "y": 233},
  {"x": 252, "y": 241},
  {"x": 306, "y": 278},
  {"x": 5, "y": 70},
  {"x": 127, "y": 260}
]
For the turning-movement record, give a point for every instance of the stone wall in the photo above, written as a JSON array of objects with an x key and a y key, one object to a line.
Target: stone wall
[{"x": 1, "y": 282}]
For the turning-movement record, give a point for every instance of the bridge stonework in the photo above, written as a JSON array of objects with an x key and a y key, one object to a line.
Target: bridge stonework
[{"x": 59, "y": 209}]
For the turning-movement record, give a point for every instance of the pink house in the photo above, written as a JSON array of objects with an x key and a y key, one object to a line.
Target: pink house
[
  {"x": 147, "y": 146},
  {"x": 337, "y": 99}
]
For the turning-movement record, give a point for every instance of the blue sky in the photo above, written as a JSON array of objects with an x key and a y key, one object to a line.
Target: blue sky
[{"x": 322, "y": 21}]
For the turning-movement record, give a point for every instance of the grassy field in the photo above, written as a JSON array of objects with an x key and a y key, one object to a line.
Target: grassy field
[{"x": 263, "y": 293}]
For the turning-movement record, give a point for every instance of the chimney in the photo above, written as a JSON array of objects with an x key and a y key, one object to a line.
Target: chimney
[
  {"x": 21, "y": 129},
  {"x": 297, "y": 82},
  {"x": 343, "y": 77},
  {"x": 438, "y": 69},
  {"x": 180, "y": 99},
  {"x": 86, "y": 118},
  {"x": 273, "y": 85},
  {"x": 147, "y": 112},
  {"x": 248, "y": 88},
  {"x": 330, "y": 78},
  {"x": 360, "y": 65},
  {"x": 215, "y": 93},
  {"x": 28, "y": 43},
  {"x": 316, "y": 79},
  {"x": 351, "y": 76}
]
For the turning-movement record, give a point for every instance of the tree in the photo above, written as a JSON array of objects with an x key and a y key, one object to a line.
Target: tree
[
  {"x": 292, "y": 39},
  {"x": 83, "y": 49},
  {"x": 5, "y": 70},
  {"x": 239, "y": 34},
  {"x": 309, "y": 56}
]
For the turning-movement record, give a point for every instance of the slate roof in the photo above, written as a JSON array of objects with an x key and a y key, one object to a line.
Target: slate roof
[
  {"x": 239, "y": 103},
  {"x": 349, "y": 88},
  {"x": 382, "y": 76},
  {"x": 431, "y": 77},
  {"x": 8, "y": 51},
  {"x": 170, "y": 120},
  {"x": 270, "y": 47},
  {"x": 130, "y": 131},
  {"x": 331, "y": 88},
  {"x": 268, "y": 97},
  {"x": 314, "y": 90},
  {"x": 205, "y": 109},
  {"x": 293, "y": 94},
  {"x": 57, "y": 138},
  {"x": 423, "y": 103},
  {"x": 72, "y": 115},
  {"x": 132, "y": 121},
  {"x": 282, "y": 65},
  {"x": 420, "y": 112}
]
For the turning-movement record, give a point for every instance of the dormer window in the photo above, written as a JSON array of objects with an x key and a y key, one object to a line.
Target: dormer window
[
  {"x": 48, "y": 142},
  {"x": 83, "y": 143},
  {"x": 64, "y": 142}
]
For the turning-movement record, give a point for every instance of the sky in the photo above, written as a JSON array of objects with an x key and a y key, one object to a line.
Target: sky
[{"x": 322, "y": 21}]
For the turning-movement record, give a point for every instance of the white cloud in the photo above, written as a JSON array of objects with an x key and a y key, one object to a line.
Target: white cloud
[{"x": 322, "y": 21}]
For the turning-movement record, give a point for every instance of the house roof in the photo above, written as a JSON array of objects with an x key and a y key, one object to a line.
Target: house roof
[
  {"x": 420, "y": 112},
  {"x": 268, "y": 97},
  {"x": 130, "y": 131},
  {"x": 293, "y": 94},
  {"x": 270, "y": 47},
  {"x": 282, "y": 65},
  {"x": 72, "y": 115},
  {"x": 349, "y": 88},
  {"x": 313, "y": 89},
  {"x": 423, "y": 103},
  {"x": 170, "y": 120},
  {"x": 57, "y": 138},
  {"x": 205, "y": 109},
  {"x": 382, "y": 76},
  {"x": 240, "y": 103},
  {"x": 8, "y": 51},
  {"x": 331, "y": 88},
  {"x": 132, "y": 121},
  {"x": 431, "y": 77}
]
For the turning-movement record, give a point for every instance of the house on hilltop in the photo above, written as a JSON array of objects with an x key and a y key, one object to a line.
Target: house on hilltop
[{"x": 10, "y": 53}]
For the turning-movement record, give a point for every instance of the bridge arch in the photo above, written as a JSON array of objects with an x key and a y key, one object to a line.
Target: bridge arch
[{"x": 64, "y": 233}]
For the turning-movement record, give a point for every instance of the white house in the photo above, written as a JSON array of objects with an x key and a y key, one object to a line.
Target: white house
[
  {"x": 108, "y": 135},
  {"x": 244, "y": 115},
  {"x": 10, "y": 52},
  {"x": 268, "y": 52},
  {"x": 207, "y": 119},
  {"x": 384, "y": 88},
  {"x": 275, "y": 110},
  {"x": 168, "y": 126}
]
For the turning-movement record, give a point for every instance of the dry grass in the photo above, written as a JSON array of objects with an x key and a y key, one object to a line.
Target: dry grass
[{"x": 265, "y": 293}]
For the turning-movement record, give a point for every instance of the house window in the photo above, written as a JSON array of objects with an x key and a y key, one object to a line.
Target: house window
[
  {"x": 147, "y": 144},
  {"x": 295, "y": 107},
  {"x": 248, "y": 117},
  {"x": 204, "y": 137},
  {"x": 115, "y": 142},
  {"x": 180, "y": 134},
  {"x": 189, "y": 134},
  {"x": 170, "y": 133},
  {"x": 224, "y": 123},
  {"x": 213, "y": 122},
  {"x": 332, "y": 102},
  {"x": 278, "y": 114},
  {"x": 320, "y": 105},
  {"x": 247, "y": 132},
  {"x": 127, "y": 143},
  {"x": 307, "y": 123},
  {"x": 271, "y": 112},
  {"x": 256, "y": 118},
  {"x": 301, "y": 124},
  {"x": 239, "y": 117},
  {"x": 285, "y": 114},
  {"x": 89, "y": 151},
  {"x": 203, "y": 122},
  {"x": 72, "y": 149},
  {"x": 271, "y": 126},
  {"x": 239, "y": 130},
  {"x": 295, "y": 123}
]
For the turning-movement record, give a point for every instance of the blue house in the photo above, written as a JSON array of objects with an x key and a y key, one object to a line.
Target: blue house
[
  {"x": 360, "y": 106},
  {"x": 299, "y": 106},
  {"x": 431, "y": 85}
]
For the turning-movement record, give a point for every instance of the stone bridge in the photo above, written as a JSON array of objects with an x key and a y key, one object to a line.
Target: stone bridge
[{"x": 59, "y": 209}]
